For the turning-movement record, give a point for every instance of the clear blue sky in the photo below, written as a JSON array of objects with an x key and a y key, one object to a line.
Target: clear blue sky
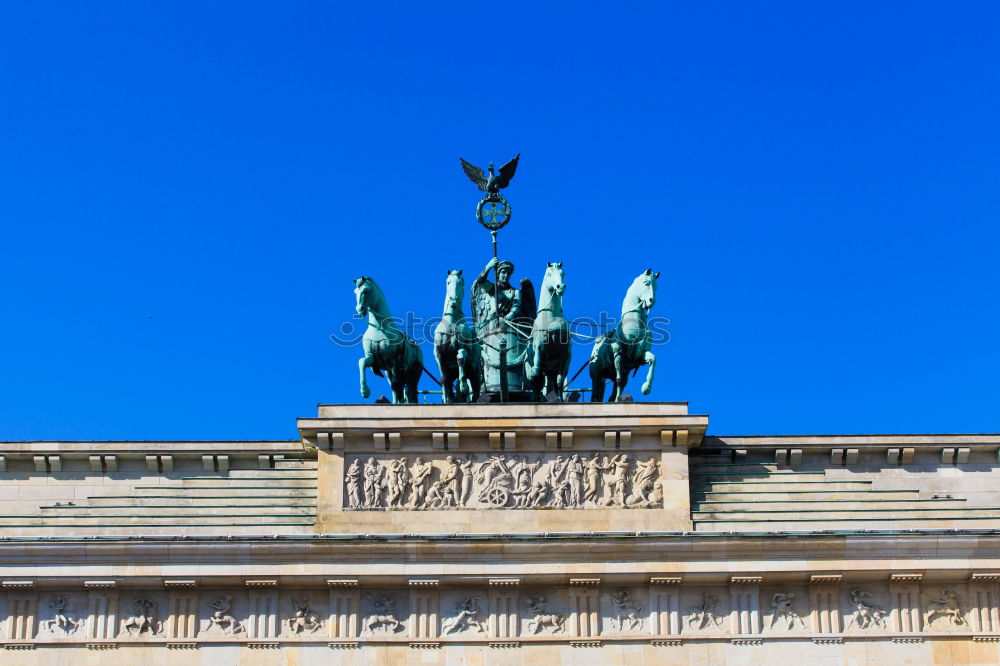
[{"x": 186, "y": 190}]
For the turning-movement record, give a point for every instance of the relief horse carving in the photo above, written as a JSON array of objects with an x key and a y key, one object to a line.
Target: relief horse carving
[
  {"x": 548, "y": 358},
  {"x": 456, "y": 348},
  {"x": 387, "y": 350},
  {"x": 627, "y": 347}
]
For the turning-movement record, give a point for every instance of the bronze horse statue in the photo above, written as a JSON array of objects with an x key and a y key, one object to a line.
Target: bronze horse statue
[
  {"x": 456, "y": 348},
  {"x": 387, "y": 350},
  {"x": 548, "y": 358},
  {"x": 627, "y": 347}
]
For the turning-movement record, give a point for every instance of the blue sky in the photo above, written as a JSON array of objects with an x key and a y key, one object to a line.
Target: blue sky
[{"x": 187, "y": 188}]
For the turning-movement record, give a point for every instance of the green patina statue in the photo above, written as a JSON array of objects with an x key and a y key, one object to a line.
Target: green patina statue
[
  {"x": 456, "y": 348},
  {"x": 549, "y": 352},
  {"x": 627, "y": 347},
  {"x": 387, "y": 350},
  {"x": 503, "y": 316},
  {"x": 514, "y": 351}
]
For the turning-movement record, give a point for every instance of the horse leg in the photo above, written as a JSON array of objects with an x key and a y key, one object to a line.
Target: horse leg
[
  {"x": 650, "y": 360},
  {"x": 395, "y": 385},
  {"x": 365, "y": 362},
  {"x": 474, "y": 374},
  {"x": 562, "y": 374},
  {"x": 620, "y": 377},
  {"x": 537, "y": 342},
  {"x": 446, "y": 390},
  {"x": 596, "y": 384},
  {"x": 461, "y": 358}
]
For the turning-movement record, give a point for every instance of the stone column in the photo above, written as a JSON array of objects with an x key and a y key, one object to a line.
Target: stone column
[
  {"x": 102, "y": 616},
  {"x": 262, "y": 619},
  {"x": 584, "y": 607},
  {"x": 505, "y": 612},
  {"x": 904, "y": 592},
  {"x": 984, "y": 603},
  {"x": 182, "y": 610},
  {"x": 425, "y": 607},
  {"x": 664, "y": 606},
  {"x": 824, "y": 599},
  {"x": 744, "y": 598},
  {"x": 22, "y": 610},
  {"x": 345, "y": 608}
]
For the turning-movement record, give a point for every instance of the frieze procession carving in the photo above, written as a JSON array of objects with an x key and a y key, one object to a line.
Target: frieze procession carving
[
  {"x": 62, "y": 619},
  {"x": 221, "y": 616},
  {"x": 144, "y": 619},
  {"x": 464, "y": 613},
  {"x": 781, "y": 607},
  {"x": 865, "y": 615},
  {"x": 467, "y": 616},
  {"x": 498, "y": 481},
  {"x": 706, "y": 614}
]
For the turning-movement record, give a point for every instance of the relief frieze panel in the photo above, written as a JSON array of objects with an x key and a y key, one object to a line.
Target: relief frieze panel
[{"x": 502, "y": 481}]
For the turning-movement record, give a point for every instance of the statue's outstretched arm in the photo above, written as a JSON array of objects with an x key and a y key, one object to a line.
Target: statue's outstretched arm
[{"x": 486, "y": 271}]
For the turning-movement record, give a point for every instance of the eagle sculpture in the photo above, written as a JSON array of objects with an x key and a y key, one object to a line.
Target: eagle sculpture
[{"x": 494, "y": 182}]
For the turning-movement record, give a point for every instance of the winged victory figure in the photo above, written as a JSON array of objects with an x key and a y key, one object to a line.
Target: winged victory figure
[{"x": 494, "y": 182}]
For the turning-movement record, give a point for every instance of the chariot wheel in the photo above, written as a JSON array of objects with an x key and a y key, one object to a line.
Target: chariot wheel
[{"x": 498, "y": 497}]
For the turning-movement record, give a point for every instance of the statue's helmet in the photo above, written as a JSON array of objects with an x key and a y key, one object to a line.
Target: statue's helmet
[{"x": 505, "y": 264}]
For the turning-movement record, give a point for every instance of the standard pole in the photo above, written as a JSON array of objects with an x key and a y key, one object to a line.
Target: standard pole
[{"x": 500, "y": 323}]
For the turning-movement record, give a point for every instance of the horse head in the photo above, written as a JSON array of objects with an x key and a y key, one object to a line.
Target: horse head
[
  {"x": 642, "y": 293},
  {"x": 362, "y": 287},
  {"x": 454, "y": 292},
  {"x": 554, "y": 280},
  {"x": 368, "y": 297}
]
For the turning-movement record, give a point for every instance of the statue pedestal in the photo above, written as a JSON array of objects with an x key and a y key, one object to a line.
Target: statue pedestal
[{"x": 503, "y": 468}]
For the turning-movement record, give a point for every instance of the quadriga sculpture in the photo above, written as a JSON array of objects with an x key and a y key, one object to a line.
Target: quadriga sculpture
[
  {"x": 627, "y": 347},
  {"x": 549, "y": 350},
  {"x": 456, "y": 349},
  {"x": 387, "y": 350}
]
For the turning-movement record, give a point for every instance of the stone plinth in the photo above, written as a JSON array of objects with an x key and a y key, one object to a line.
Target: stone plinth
[{"x": 502, "y": 469}]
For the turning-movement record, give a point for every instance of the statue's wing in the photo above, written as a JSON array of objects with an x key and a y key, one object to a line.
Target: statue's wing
[
  {"x": 529, "y": 306},
  {"x": 506, "y": 172},
  {"x": 475, "y": 174},
  {"x": 482, "y": 307}
]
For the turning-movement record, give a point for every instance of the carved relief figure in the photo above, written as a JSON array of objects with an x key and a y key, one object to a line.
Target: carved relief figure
[
  {"x": 536, "y": 496},
  {"x": 373, "y": 483},
  {"x": 383, "y": 616},
  {"x": 221, "y": 616},
  {"x": 451, "y": 481},
  {"x": 700, "y": 617},
  {"x": 540, "y": 616},
  {"x": 353, "y": 482},
  {"x": 495, "y": 481},
  {"x": 437, "y": 497},
  {"x": 419, "y": 474},
  {"x": 396, "y": 483},
  {"x": 947, "y": 605},
  {"x": 619, "y": 479},
  {"x": 304, "y": 619},
  {"x": 644, "y": 482},
  {"x": 574, "y": 479},
  {"x": 592, "y": 478},
  {"x": 781, "y": 605},
  {"x": 61, "y": 616},
  {"x": 523, "y": 472},
  {"x": 467, "y": 617},
  {"x": 626, "y": 611},
  {"x": 866, "y": 615},
  {"x": 468, "y": 470},
  {"x": 144, "y": 618}
]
